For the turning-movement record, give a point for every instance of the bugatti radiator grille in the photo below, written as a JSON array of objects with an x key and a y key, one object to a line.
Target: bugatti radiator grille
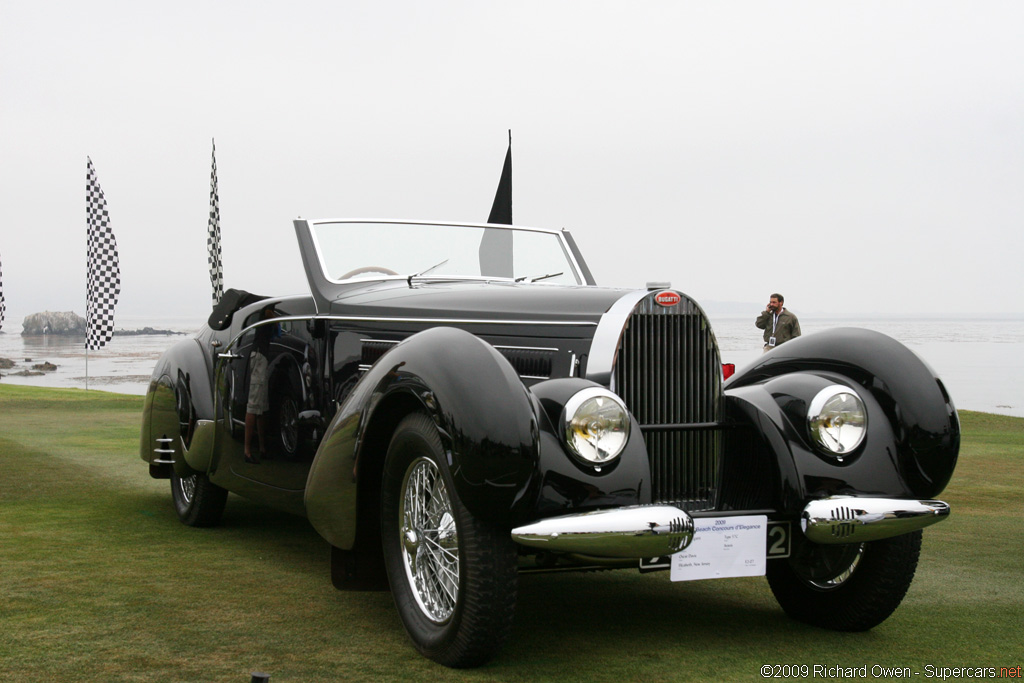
[{"x": 669, "y": 373}]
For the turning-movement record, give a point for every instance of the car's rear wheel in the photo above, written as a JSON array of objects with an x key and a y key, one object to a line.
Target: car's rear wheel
[
  {"x": 287, "y": 426},
  {"x": 453, "y": 577},
  {"x": 197, "y": 501},
  {"x": 849, "y": 587}
]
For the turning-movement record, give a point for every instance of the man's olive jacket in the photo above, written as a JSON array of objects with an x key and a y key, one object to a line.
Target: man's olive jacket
[{"x": 787, "y": 327}]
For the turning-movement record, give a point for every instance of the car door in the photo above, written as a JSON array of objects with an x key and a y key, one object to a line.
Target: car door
[{"x": 282, "y": 435}]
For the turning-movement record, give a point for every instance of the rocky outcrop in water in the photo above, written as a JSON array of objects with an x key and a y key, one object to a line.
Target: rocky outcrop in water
[
  {"x": 71, "y": 324},
  {"x": 67, "y": 324}
]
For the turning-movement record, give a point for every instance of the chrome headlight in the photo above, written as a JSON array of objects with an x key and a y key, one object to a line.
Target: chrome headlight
[
  {"x": 595, "y": 425},
  {"x": 837, "y": 420}
]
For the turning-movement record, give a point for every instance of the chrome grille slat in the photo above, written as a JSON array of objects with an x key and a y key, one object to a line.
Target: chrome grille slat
[{"x": 668, "y": 372}]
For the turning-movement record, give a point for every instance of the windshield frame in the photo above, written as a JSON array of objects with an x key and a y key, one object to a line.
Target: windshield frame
[{"x": 577, "y": 274}]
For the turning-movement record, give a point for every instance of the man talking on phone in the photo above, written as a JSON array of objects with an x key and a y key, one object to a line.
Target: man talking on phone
[{"x": 779, "y": 325}]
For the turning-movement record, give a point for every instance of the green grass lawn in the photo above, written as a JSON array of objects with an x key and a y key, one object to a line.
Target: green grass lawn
[{"x": 100, "y": 582}]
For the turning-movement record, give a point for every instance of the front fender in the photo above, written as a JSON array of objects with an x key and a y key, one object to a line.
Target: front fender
[
  {"x": 913, "y": 434},
  {"x": 482, "y": 411}
]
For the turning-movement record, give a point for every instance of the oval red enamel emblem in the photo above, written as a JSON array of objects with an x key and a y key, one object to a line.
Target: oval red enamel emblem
[{"x": 667, "y": 298}]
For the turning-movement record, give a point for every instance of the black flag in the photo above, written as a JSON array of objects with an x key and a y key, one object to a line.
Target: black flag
[
  {"x": 496, "y": 245},
  {"x": 501, "y": 210},
  {"x": 103, "y": 282},
  {"x": 213, "y": 236}
]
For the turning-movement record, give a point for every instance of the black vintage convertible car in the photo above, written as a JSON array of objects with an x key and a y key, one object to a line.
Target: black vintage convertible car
[{"x": 455, "y": 404}]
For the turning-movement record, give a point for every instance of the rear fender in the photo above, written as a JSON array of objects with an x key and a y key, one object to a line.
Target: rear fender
[{"x": 178, "y": 412}]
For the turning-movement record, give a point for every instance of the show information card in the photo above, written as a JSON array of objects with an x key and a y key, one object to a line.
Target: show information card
[{"x": 723, "y": 547}]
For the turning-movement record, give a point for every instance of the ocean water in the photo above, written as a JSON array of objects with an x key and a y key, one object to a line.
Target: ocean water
[{"x": 980, "y": 361}]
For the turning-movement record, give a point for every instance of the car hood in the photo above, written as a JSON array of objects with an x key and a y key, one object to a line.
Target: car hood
[{"x": 478, "y": 300}]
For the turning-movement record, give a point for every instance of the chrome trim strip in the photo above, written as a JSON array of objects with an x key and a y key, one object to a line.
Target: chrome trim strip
[
  {"x": 403, "y": 221},
  {"x": 633, "y": 532},
  {"x": 432, "y": 321},
  {"x": 849, "y": 519},
  {"x": 606, "y": 338},
  {"x": 158, "y": 461},
  {"x": 526, "y": 348}
]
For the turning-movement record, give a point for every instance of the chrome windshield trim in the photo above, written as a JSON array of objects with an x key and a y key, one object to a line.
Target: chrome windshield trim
[
  {"x": 607, "y": 336},
  {"x": 567, "y": 250},
  {"x": 404, "y": 221}
]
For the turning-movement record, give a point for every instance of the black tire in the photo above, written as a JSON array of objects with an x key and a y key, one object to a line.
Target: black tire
[
  {"x": 197, "y": 501},
  {"x": 851, "y": 587},
  {"x": 453, "y": 577}
]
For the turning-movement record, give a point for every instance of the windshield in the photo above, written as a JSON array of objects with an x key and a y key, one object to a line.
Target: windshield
[{"x": 351, "y": 251}]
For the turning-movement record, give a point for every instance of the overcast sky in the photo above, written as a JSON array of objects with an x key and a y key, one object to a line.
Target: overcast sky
[{"x": 861, "y": 157}]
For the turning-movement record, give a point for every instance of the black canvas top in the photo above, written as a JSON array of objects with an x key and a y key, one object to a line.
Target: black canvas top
[{"x": 232, "y": 300}]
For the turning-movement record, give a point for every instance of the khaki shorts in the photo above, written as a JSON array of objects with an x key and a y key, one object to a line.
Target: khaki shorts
[{"x": 259, "y": 391}]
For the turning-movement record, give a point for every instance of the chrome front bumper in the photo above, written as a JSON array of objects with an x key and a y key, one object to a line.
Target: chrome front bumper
[
  {"x": 848, "y": 519},
  {"x": 629, "y": 532}
]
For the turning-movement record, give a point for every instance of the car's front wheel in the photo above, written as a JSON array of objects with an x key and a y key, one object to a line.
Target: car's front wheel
[
  {"x": 197, "y": 501},
  {"x": 453, "y": 576},
  {"x": 850, "y": 587}
]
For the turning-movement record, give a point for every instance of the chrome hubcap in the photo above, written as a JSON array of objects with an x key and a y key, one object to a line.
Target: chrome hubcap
[{"x": 429, "y": 541}]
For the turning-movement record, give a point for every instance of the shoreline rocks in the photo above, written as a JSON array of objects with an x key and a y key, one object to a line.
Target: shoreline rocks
[{"x": 70, "y": 324}]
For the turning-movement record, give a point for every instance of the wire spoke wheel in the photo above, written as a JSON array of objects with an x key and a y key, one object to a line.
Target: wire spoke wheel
[
  {"x": 831, "y": 566},
  {"x": 452, "y": 575},
  {"x": 845, "y": 587},
  {"x": 288, "y": 420},
  {"x": 187, "y": 487},
  {"x": 430, "y": 541}
]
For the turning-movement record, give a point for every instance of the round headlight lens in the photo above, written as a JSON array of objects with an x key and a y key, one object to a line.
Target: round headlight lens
[
  {"x": 838, "y": 420},
  {"x": 596, "y": 425}
]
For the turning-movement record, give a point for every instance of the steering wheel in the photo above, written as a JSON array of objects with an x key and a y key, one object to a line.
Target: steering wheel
[{"x": 367, "y": 269}]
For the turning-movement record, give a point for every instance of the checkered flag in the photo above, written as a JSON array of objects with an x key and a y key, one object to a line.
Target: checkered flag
[
  {"x": 3, "y": 306},
  {"x": 213, "y": 236},
  {"x": 103, "y": 283}
]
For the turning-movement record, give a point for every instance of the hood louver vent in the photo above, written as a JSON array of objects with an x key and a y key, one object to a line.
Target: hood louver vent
[{"x": 528, "y": 363}]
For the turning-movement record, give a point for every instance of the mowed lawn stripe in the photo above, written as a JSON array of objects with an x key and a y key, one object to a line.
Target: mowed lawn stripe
[{"x": 99, "y": 581}]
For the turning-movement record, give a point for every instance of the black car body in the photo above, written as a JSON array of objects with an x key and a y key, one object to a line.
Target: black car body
[{"x": 456, "y": 404}]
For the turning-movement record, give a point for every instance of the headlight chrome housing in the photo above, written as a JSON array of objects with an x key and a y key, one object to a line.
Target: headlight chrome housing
[
  {"x": 595, "y": 426},
  {"x": 837, "y": 420}
]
